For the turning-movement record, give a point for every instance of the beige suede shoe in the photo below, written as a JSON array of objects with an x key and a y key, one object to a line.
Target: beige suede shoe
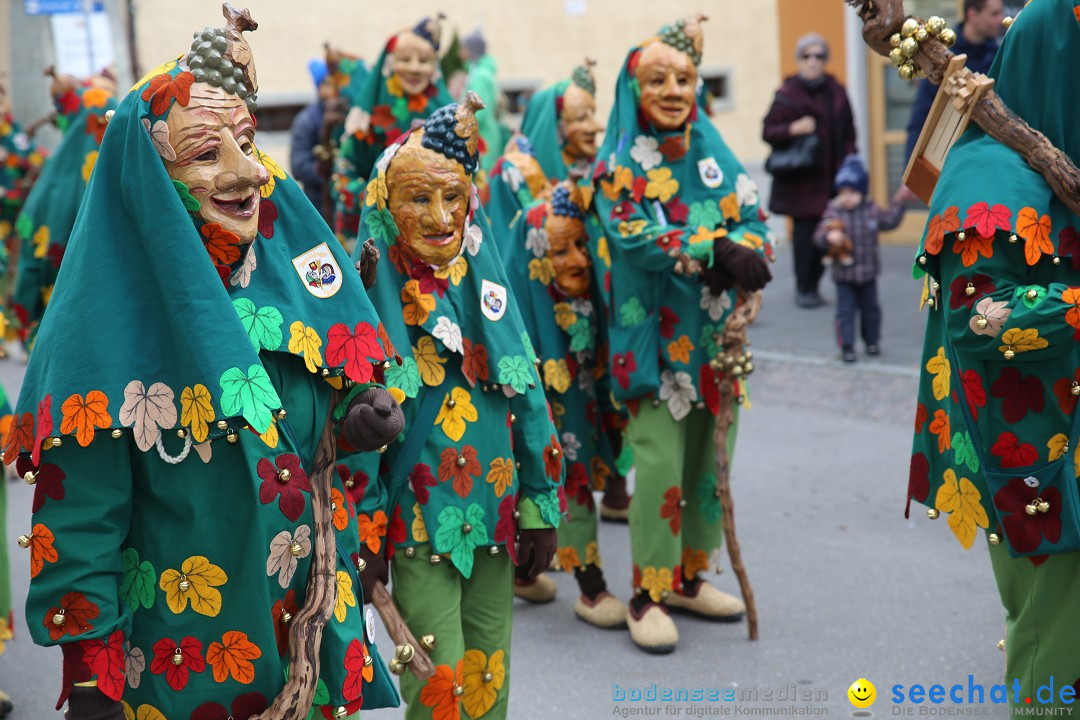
[
  {"x": 709, "y": 603},
  {"x": 616, "y": 515},
  {"x": 539, "y": 590},
  {"x": 653, "y": 631},
  {"x": 605, "y": 611}
]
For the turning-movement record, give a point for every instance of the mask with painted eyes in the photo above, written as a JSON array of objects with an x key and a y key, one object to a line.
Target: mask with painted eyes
[
  {"x": 414, "y": 61},
  {"x": 569, "y": 254},
  {"x": 579, "y": 124},
  {"x": 213, "y": 139},
  {"x": 429, "y": 199},
  {"x": 667, "y": 77}
]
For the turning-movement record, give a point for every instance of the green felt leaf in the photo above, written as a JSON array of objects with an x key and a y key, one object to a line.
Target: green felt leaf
[
  {"x": 708, "y": 503},
  {"x": 582, "y": 335},
  {"x": 1031, "y": 295},
  {"x": 549, "y": 508},
  {"x": 964, "y": 449},
  {"x": 263, "y": 325},
  {"x": 707, "y": 341},
  {"x": 516, "y": 372},
  {"x": 382, "y": 226},
  {"x": 190, "y": 203},
  {"x": 704, "y": 214},
  {"x": 405, "y": 377},
  {"x": 139, "y": 581},
  {"x": 632, "y": 312},
  {"x": 251, "y": 395},
  {"x": 24, "y": 226}
]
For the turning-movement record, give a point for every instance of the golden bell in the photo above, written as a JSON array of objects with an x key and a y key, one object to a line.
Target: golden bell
[
  {"x": 451, "y": 403},
  {"x": 1056, "y": 260},
  {"x": 1009, "y": 354},
  {"x": 493, "y": 550},
  {"x": 969, "y": 290},
  {"x": 404, "y": 653},
  {"x": 487, "y": 676},
  {"x": 286, "y": 617},
  {"x": 1013, "y": 238},
  {"x": 935, "y": 24},
  {"x": 933, "y": 514},
  {"x": 1006, "y": 22},
  {"x": 994, "y": 539},
  {"x": 382, "y": 449},
  {"x": 368, "y": 662},
  {"x": 909, "y": 27},
  {"x": 435, "y": 559},
  {"x": 513, "y": 418},
  {"x": 340, "y": 712},
  {"x": 30, "y": 477},
  {"x": 458, "y": 690},
  {"x": 56, "y": 442},
  {"x": 982, "y": 323},
  {"x": 461, "y": 461},
  {"x": 178, "y": 657},
  {"x": 428, "y": 642},
  {"x": 1032, "y": 294},
  {"x": 184, "y": 585},
  {"x": 1031, "y": 508},
  {"x": 1043, "y": 506},
  {"x": 555, "y": 452},
  {"x": 908, "y": 47},
  {"x": 921, "y": 34},
  {"x": 350, "y": 484},
  {"x": 896, "y": 57},
  {"x": 466, "y": 528},
  {"x": 25, "y": 540},
  {"x": 59, "y": 618},
  {"x": 222, "y": 425},
  {"x": 109, "y": 116},
  {"x": 931, "y": 301},
  {"x": 232, "y": 438},
  {"x": 895, "y": 39},
  {"x": 395, "y": 667},
  {"x": 181, "y": 433},
  {"x": 1001, "y": 644},
  {"x": 117, "y": 434},
  {"x": 961, "y": 235},
  {"x": 934, "y": 287},
  {"x": 737, "y": 370},
  {"x": 325, "y": 372},
  {"x": 906, "y": 71},
  {"x": 361, "y": 564},
  {"x": 948, "y": 36},
  {"x": 296, "y": 549},
  {"x": 922, "y": 259},
  {"x": 284, "y": 475},
  {"x": 1075, "y": 389},
  {"x": 281, "y": 414},
  {"x": 410, "y": 552}
]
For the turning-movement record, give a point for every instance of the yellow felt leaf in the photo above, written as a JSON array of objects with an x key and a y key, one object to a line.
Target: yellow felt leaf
[
  {"x": 541, "y": 269},
  {"x": 376, "y": 192},
  {"x": 270, "y": 437},
  {"x": 564, "y": 315},
  {"x": 1058, "y": 446},
  {"x": 273, "y": 168},
  {"x": 456, "y": 413},
  {"x": 41, "y": 242},
  {"x": 939, "y": 367},
  {"x": 397, "y": 393},
  {"x": 203, "y": 577},
  {"x": 419, "y": 529},
  {"x": 416, "y": 305},
  {"x": 729, "y": 207},
  {"x": 88, "y": 165},
  {"x": 197, "y": 410},
  {"x": 661, "y": 186},
  {"x": 148, "y": 712},
  {"x": 632, "y": 227},
  {"x": 501, "y": 475},
  {"x": 345, "y": 597},
  {"x": 1022, "y": 340},
  {"x": 557, "y": 375},
  {"x": 303, "y": 340},
  {"x": 679, "y": 350},
  {"x": 602, "y": 251},
  {"x": 481, "y": 680},
  {"x": 428, "y": 361},
  {"x": 455, "y": 271},
  {"x": 962, "y": 501},
  {"x": 592, "y": 554}
]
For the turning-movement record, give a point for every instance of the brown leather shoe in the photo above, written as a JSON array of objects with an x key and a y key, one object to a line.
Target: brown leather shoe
[{"x": 652, "y": 629}]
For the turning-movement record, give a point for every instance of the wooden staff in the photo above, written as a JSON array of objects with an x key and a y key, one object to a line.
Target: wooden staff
[
  {"x": 884, "y": 18},
  {"x": 732, "y": 362}
]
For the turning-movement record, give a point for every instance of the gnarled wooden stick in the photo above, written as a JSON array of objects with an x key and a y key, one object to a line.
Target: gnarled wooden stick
[
  {"x": 732, "y": 347},
  {"x": 883, "y": 18}
]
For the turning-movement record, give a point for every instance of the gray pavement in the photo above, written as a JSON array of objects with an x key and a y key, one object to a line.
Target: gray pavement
[{"x": 845, "y": 586}]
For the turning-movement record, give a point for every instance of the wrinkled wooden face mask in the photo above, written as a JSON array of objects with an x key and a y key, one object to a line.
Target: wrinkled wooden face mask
[
  {"x": 567, "y": 248},
  {"x": 668, "y": 81},
  {"x": 213, "y": 139},
  {"x": 579, "y": 124},
  {"x": 414, "y": 61}
]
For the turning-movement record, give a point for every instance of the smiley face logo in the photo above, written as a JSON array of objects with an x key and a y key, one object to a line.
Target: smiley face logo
[{"x": 862, "y": 693}]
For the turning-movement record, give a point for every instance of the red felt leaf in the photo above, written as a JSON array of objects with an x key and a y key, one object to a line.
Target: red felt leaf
[
  {"x": 671, "y": 509},
  {"x": 358, "y": 350},
  {"x": 919, "y": 477},
  {"x": 1018, "y": 394},
  {"x": 77, "y": 611},
  {"x": 49, "y": 482},
  {"x": 668, "y": 320},
  {"x": 710, "y": 392},
  {"x": 268, "y": 213},
  {"x": 1012, "y": 452},
  {"x": 638, "y": 188},
  {"x": 1063, "y": 392},
  {"x": 981, "y": 284},
  {"x": 421, "y": 479},
  {"x": 535, "y": 216},
  {"x": 676, "y": 210},
  {"x": 920, "y": 418},
  {"x": 1069, "y": 246},
  {"x": 622, "y": 367},
  {"x": 973, "y": 389},
  {"x": 673, "y": 148},
  {"x": 475, "y": 363},
  {"x": 353, "y": 687},
  {"x": 289, "y": 494},
  {"x": 191, "y": 660},
  {"x": 281, "y": 629},
  {"x": 987, "y": 220},
  {"x": 107, "y": 661},
  {"x": 506, "y": 527},
  {"x": 20, "y": 437},
  {"x": 164, "y": 88}
]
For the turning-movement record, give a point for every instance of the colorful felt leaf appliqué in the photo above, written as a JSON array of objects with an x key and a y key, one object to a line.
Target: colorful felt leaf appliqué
[
  {"x": 139, "y": 580},
  {"x": 82, "y": 416},
  {"x": 987, "y": 220},
  {"x": 197, "y": 410},
  {"x": 1022, "y": 340},
  {"x": 107, "y": 661},
  {"x": 995, "y": 312},
  {"x": 416, "y": 305},
  {"x": 972, "y": 246},
  {"x": 357, "y": 350},
  {"x": 501, "y": 475},
  {"x": 202, "y": 580},
  {"x": 164, "y": 88},
  {"x": 962, "y": 500},
  {"x": 456, "y": 412},
  {"x": 223, "y": 246},
  {"x": 1036, "y": 232},
  {"x": 304, "y": 341},
  {"x": 286, "y": 551},
  {"x": 938, "y": 227},
  {"x": 474, "y": 365},
  {"x": 286, "y": 480},
  {"x": 939, "y": 367},
  {"x": 481, "y": 678},
  {"x": 77, "y": 612},
  {"x": 232, "y": 657},
  {"x": 263, "y": 325},
  {"x": 461, "y": 468},
  {"x": 251, "y": 395},
  {"x": 1012, "y": 452},
  {"x": 41, "y": 549},
  {"x": 517, "y": 372},
  {"x": 190, "y": 660},
  {"x": 940, "y": 426},
  {"x": 1018, "y": 394},
  {"x": 20, "y": 437},
  {"x": 345, "y": 596},
  {"x": 147, "y": 411}
]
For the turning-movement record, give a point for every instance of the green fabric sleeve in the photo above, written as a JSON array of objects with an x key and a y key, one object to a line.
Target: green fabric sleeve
[
  {"x": 639, "y": 248},
  {"x": 530, "y": 517},
  {"x": 533, "y": 432},
  {"x": 88, "y": 527}
]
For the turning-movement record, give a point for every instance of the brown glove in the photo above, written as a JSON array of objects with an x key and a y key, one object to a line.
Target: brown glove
[
  {"x": 368, "y": 263},
  {"x": 535, "y": 550},
  {"x": 89, "y": 703},
  {"x": 735, "y": 264},
  {"x": 376, "y": 570},
  {"x": 372, "y": 420}
]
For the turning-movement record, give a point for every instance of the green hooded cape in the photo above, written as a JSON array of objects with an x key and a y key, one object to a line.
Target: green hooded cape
[{"x": 1002, "y": 253}]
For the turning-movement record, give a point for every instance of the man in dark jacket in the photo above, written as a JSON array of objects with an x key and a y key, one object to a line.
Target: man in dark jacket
[
  {"x": 305, "y": 135},
  {"x": 977, "y": 37},
  {"x": 809, "y": 102}
]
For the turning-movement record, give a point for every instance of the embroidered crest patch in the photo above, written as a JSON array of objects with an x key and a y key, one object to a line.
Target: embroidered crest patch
[
  {"x": 492, "y": 300},
  {"x": 319, "y": 271},
  {"x": 710, "y": 172}
]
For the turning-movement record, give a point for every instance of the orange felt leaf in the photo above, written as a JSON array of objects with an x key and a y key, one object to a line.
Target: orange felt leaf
[
  {"x": 475, "y": 361},
  {"x": 341, "y": 510},
  {"x": 940, "y": 427},
  {"x": 223, "y": 246},
  {"x": 41, "y": 549},
  {"x": 372, "y": 529},
  {"x": 1036, "y": 233},
  {"x": 462, "y": 473},
  {"x": 939, "y": 226},
  {"x": 1072, "y": 315},
  {"x": 20, "y": 437},
  {"x": 387, "y": 343},
  {"x": 164, "y": 88},
  {"x": 416, "y": 305},
  {"x": 439, "y": 694},
  {"x": 972, "y": 246},
  {"x": 77, "y": 611},
  {"x": 233, "y": 656},
  {"x": 82, "y": 416}
]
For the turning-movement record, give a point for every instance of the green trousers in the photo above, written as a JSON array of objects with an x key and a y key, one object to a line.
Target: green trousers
[
  {"x": 577, "y": 536},
  {"x": 471, "y": 621},
  {"x": 1042, "y": 637},
  {"x": 675, "y": 515}
]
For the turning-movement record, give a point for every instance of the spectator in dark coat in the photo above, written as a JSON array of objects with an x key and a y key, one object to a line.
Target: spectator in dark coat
[
  {"x": 305, "y": 135},
  {"x": 977, "y": 37},
  {"x": 811, "y": 101}
]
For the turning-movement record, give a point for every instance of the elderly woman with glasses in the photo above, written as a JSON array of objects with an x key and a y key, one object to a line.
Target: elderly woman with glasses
[{"x": 810, "y": 102}]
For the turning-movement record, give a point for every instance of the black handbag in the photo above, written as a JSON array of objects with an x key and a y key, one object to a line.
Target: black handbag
[{"x": 798, "y": 157}]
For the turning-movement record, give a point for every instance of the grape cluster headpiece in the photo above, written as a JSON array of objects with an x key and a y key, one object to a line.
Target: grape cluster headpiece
[
  {"x": 221, "y": 56},
  {"x": 685, "y": 35},
  {"x": 453, "y": 132}
]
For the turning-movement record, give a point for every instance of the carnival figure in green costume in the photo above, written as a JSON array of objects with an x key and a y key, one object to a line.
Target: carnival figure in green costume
[
  {"x": 550, "y": 266},
  {"x": 674, "y": 203},
  {"x": 43, "y": 226},
  {"x": 996, "y": 432},
  {"x": 404, "y": 85},
  {"x": 180, "y": 415},
  {"x": 7, "y": 612},
  {"x": 475, "y": 484}
]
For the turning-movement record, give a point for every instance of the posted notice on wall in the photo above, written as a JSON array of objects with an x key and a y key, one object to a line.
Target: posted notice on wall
[{"x": 82, "y": 41}]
